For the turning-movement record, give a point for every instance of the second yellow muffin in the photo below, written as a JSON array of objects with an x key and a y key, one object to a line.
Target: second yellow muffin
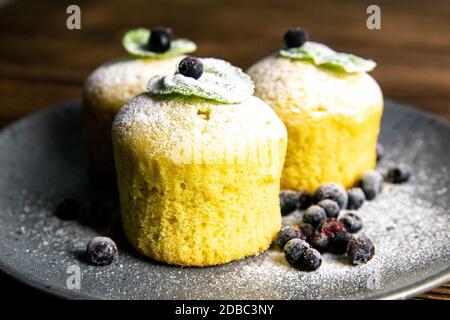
[
  {"x": 107, "y": 89},
  {"x": 112, "y": 84},
  {"x": 332, "y": 119}
]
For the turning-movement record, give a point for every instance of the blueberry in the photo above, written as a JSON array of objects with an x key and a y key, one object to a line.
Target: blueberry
[
  {"x": 304, "y": 200},
  {"x": 356, "y": 198},
  {"x": 288, "y": 233},
  {"x": 314, "y": 215},
  {"x": 310, "y": 260},
  {"x": 331, "y": 207},
  {"x": 360, "y": 249},
  {"x": 295, "y": 37},
  {"x": 101, "y": 251},
  {"x": 319, "y": 241},
  {"x": 400, "y": 173},
  {"x": 380, "y": 151},
  {"x": 293, "y": 251},
  {"x": 160, "y": 39},
  {"x": 352, "y": 222},
  {"x": 339, "y": 242},
  {"x": 191, "y": 67},
  {"x": 96, "y": 213},
  {"x": 68, "y": 209},
  {"x": 332, "y": 191},
  {"x": 337, "y": 236},
  {"x": 307, "y": 230},
  {"x": 288, "y": 201},
  {"x": 372, "y": 184},
  {"x": 331, "y": 227}
]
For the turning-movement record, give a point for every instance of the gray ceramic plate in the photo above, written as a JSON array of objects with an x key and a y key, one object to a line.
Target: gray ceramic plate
[{"x": 43, "y": 161}]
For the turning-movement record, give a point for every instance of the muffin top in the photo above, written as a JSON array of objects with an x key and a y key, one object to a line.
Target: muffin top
[
  {"x": 151, "y": 52},
  {"x": 186, "y": 129},
  {"x": 292, "y": 86},
  {"x": 116, "y": 82},
  {"x": 310, "y": 78}
]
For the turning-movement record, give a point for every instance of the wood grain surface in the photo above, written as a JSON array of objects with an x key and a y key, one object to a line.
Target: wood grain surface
[{"x": 42, "y": 62}]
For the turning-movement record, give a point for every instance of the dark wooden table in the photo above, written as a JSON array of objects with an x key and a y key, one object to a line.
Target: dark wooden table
[{"x": 42, "y": 62}]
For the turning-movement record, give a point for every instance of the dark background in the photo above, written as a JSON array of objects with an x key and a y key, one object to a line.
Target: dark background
[{"x": 42, "y": 62}]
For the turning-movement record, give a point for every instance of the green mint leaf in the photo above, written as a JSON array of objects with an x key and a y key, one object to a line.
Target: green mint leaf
[
  {"x": 220, "y": 81},
  {"x": 349, "y": 63},
  {"x": 135, "y": 43},
  {"x": 323, "y": 56}
]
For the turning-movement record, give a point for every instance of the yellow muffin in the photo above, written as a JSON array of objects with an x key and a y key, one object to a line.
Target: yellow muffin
[
  {"x": 198, "y": 179},
  {"x": 332, "y": 119},
  {"x": 108, "y": 88}
]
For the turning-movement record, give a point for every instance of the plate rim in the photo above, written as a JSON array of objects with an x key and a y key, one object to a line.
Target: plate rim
[{"x": 401, "y": 293}]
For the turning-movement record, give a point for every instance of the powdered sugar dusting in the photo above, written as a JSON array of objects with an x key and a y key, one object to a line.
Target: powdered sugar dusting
[{"x": 189, "y": 130}]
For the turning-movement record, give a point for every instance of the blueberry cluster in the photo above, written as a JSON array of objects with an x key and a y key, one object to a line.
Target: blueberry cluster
[
  {"x": 321, "y": 231},
  {"x": 323, "y": 228}
]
